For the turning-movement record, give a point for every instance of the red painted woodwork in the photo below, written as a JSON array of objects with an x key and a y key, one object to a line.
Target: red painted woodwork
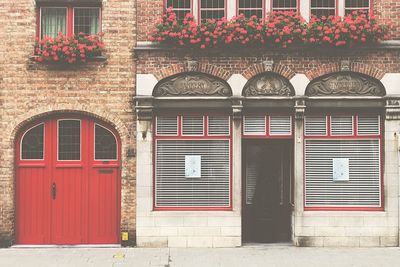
[{"x": 86, "y": 209}]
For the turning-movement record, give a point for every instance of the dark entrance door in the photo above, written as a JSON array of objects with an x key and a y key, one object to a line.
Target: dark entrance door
[{"x": 267, "y": 191}]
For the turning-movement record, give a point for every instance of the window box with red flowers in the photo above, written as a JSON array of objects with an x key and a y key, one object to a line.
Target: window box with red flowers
[
  {"x": 279, "y": 29},
  {"x": 73, "y": 50}
]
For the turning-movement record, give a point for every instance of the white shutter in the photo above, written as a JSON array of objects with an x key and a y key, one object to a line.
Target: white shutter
[
  {"x": 342, "y": 125},
  {"x": 363, "y": 189},
  {"x": 167, "y": 125},
  {"x": 254, "y": 125},
  {"x": 192, "y": 125},
  {"x": 280, "y": 125},
  {"x": 315, "y": 125},
  {"x": 218, "y": 125},
  {"x": 173, "y": 189},
  {"x": 368, "y": 125}
]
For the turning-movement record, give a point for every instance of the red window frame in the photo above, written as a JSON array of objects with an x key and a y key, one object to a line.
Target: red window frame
[
  {"x": 205, "y": 136},
  {"x": 267, "y": 134},
  {"x": 69, "y": 13},
  {"x": 336, "y": 8},
  {"x": 354, "y": 136},
  {"x": 200, "y": 9}
]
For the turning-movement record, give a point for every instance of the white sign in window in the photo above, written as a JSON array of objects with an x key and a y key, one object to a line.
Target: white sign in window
[
  {"x": 192, "y": 166},
  {"x": 340, "y": 169}
]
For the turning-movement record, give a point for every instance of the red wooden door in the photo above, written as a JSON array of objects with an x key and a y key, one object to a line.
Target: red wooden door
[{"x": 68, "y": 183}]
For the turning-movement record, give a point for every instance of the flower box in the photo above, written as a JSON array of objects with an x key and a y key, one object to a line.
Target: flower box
[
  {"x": 63, "y": 50},
  {"x": 279, "y": 29}
]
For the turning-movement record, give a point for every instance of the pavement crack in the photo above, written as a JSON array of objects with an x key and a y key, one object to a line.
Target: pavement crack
[{"x": 169, "y": 259}]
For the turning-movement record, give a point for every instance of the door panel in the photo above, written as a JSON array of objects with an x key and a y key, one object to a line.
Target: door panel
[
  {"x": 67, "y": 197},
  {"x": 267, "y": 208}
]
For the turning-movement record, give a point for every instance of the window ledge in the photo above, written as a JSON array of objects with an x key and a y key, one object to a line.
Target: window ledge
[
  {"x": 153, "y": 46},
  {"x": 95, "y": 62}
]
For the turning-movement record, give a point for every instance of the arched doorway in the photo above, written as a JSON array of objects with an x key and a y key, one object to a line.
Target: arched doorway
[{"x": 67, "y": 182}]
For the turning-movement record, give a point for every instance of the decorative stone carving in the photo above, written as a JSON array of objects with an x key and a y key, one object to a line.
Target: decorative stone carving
[
  {"x": 192, "y": 65},
  {"x": 192, "y": 84},
  {"x": 268, "y": 84},
  {"x": 345, "y": 84},
  {"x": 300, "y": 108},
  {"x": 268, "y": 65},
  {"x": 345, "y": 65}
]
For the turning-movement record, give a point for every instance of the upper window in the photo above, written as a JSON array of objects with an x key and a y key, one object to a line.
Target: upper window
[
  {"x": 105, "y": 145},
  {"x": 32, "y": 144},
  {"x": 69, "y": 140},
  {"x": 356, "y": 5},
  {"x": 284, "y": 5},
  {"x": 251, "y": 8},
  {"x": 69, "y": 20},
  {"x": 321, "y": 8},
  {"x": 212, "y": 9},
  {"x": 180, "y": 7}
]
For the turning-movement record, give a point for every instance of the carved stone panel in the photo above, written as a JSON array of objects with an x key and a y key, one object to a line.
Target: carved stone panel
[
  {"x": 192, "y": 84},
  {"x": 345, "y": 84},
  {"x": 268, "y": 84}
]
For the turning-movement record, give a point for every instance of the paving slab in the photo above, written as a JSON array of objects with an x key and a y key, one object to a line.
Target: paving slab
[{"x": 248, "y": 256}]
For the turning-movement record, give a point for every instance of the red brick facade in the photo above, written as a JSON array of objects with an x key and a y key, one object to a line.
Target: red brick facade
[{"x": 101, "y": 90}]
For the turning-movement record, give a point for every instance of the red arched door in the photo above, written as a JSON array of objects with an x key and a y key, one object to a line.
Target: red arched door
[{"x": 67, "y": 183}]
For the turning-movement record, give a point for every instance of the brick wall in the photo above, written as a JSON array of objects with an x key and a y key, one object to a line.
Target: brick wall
[
  {"x": 102, "y": 90},
  {"x": 150, "y": 11},
  {"x": 312, "y": 63}
]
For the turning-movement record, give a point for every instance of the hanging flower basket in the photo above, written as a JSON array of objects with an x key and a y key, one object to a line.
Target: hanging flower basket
[
  {"x": 279, "y": 29},
  {"x": 77, "y": 49}
]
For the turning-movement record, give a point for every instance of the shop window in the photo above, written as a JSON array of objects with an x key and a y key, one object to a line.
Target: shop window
[
  {"x": 192, "y": 165},
  {"x": 321, "y": 8},
  {"x": 212, "y": 9},
  {"x": 284, "y": 5},
  {"x": 69, "y": 140},
  {"x": 267, "y": 126},
  {"x": 356, "y": 5},
  {"x": 180, "y": 7},
  {"x": 32, "y": 144},
  {"x": 69, "y": 20},
  {"x": 343, "y": 166},
  {"x": 105, "y": 144},
  {"x": 251, "y": 8}
]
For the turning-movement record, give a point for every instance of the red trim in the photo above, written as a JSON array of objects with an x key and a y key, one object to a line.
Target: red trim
[
  {"x": 354, "y": 136},
  {"x": 267, "y": 134},
  {"x": 205, "y": 136},
  {"x": 70, "y": 16},
  {"x": 343, "y": 209}
]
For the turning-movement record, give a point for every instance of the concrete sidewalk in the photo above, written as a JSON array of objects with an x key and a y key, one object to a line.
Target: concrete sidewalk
[{"x": 269, "y": 256}]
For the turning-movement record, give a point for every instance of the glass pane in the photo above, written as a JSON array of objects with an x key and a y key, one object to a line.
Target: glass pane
[
  {"x": 32, "y": 145},
  {"x": 357, "y": 3},
  {"x": 105, "y": 145},
  {"x": 178, "y": 3},
  {"x": 53, "y": 21},
  {"x": 212, "y": 14},
  {"x": 87, "y": 20},
  {"x": 250, "y": 3},
  {"x": 212, "y": 3},
  {"x": 251, "y": 12},
  {"x": 284, "y": 4},
  {"x": 323, "y": 3},
  {"x": 69, "y": 140},
  {"x": 323, "y": 12}
]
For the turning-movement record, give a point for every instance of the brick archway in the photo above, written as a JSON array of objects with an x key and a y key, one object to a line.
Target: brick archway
[
  {"x": 362, "y": 68},
  {"x": 259, "y": 68},
  {"x": 201, "y": 67}
]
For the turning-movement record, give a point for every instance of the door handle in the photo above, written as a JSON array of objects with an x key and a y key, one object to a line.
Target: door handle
[{"x": 54, "y": 190}]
